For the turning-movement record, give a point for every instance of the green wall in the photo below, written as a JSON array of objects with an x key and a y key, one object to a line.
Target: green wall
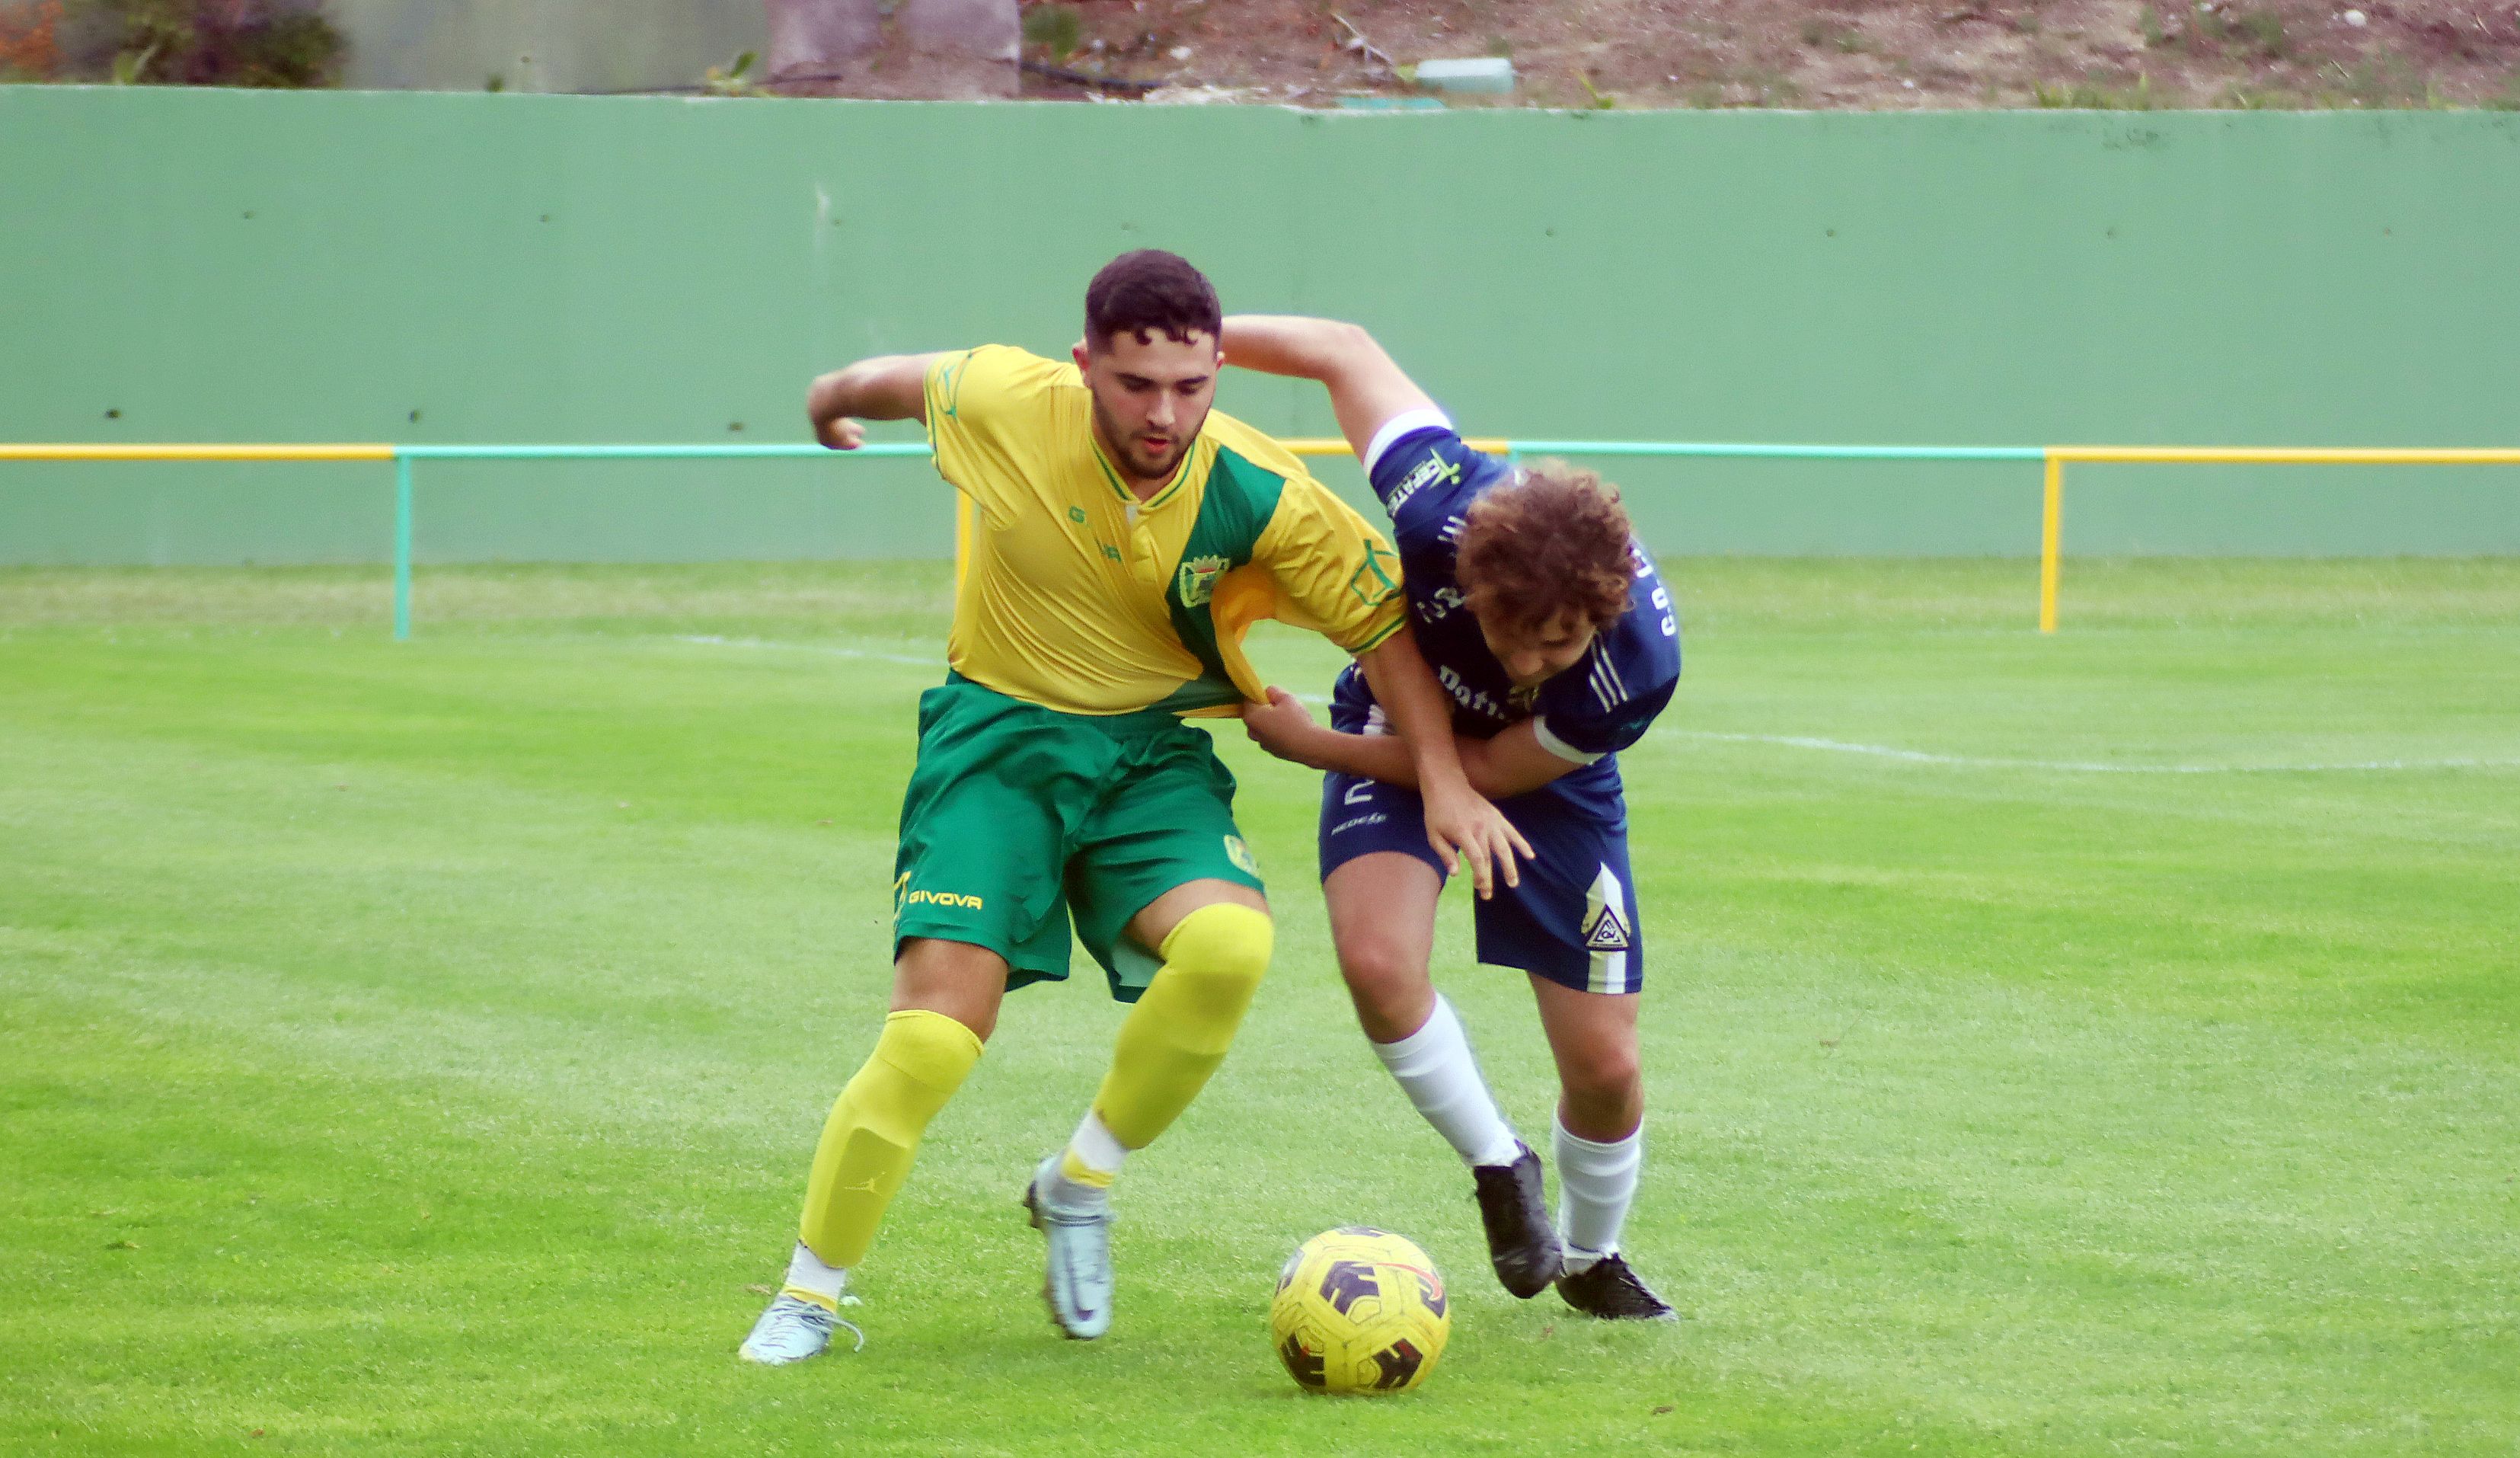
[{"x": 224, "y": 265}]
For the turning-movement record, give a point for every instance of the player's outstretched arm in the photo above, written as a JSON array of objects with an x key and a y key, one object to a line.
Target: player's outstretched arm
[
  {"x": 1367, "y": 388},
  {"x": 1461, "y": 823},
  {"x": 888, "y": 387},
  {"x": 1513, "y": 762}
]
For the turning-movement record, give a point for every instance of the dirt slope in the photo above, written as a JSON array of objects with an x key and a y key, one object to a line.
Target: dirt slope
[{"x": 1786, "y": 53}]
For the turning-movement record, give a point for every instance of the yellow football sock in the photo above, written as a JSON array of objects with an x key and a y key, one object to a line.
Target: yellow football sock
[
  {"x": 874, "y": 1130},
  {"x": 1177, "y": 1034}
]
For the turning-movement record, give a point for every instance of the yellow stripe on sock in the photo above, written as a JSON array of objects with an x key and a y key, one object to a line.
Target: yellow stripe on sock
[
  {"x": 1074, "y": 1168},
  {"x": 816, "y": 1297}
]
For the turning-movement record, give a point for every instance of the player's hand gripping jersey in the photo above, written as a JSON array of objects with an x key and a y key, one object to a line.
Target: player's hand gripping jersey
[
  {"x": 1428, "y": 479},
  {"x": 1080, "y": 598}
]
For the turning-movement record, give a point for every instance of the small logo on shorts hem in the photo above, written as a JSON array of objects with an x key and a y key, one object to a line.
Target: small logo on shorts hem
[{"x": 1241, "y": 856}]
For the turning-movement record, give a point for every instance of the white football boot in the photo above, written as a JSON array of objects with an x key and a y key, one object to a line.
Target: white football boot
[
  {"x": 1077, "y": 1284},
  {"x": 793, "y": 1328}
]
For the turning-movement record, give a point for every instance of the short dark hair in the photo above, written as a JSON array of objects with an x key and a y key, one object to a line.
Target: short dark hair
[
  {"x": 1555, "y": 540},
  {"x": 1152, "y": 289}
]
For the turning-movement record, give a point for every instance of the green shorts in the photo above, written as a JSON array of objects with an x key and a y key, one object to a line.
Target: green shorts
[{"x": 1020, "y": 818}]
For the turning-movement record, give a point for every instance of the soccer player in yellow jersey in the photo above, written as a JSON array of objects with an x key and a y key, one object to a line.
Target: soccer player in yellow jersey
[{"x": 1126, "y": 536}]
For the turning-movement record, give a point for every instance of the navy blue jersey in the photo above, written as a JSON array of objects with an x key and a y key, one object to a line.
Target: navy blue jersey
[{"x": 1600, "y": 705}]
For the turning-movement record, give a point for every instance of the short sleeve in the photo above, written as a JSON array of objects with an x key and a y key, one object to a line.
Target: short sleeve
[
  {"x": 982, "y": 404},
  {"x": 1606, "y": 701},
  {"x": 1331, "y": 567},
  {"x": 1421, "y": 473},
  {"x": 1585, "y": 737}
]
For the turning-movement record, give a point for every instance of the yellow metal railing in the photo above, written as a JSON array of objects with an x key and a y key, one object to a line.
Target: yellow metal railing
[
  {"x": 2053, "y": 460},
  {"x": 2051, "y": 525}
]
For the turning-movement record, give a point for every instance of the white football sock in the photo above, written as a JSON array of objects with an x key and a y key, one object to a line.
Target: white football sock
[
  {"x": 1442, "y": 1079},
  {"x": 1596, "y": 1183},
  {"x": 1089, "y": 1165},
  {"x": 808, "y": 1277}
]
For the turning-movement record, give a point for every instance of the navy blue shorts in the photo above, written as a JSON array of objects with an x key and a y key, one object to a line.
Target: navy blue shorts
[{"x": 1573, "y": 920}]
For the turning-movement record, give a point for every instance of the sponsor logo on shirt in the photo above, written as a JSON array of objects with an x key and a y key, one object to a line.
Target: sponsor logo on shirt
[
  {"x": 1476, "y": 700},
  {"x": 1429, "y": 471},
  {"x": 1442, "y": 604}
]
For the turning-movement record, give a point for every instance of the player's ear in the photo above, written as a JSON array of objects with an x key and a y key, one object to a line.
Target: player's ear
[{"x": 1081, "y": 353}]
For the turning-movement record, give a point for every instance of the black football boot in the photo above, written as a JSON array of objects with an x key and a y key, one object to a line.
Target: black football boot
[
  {"x": 1521, "y": 1243},
  {"x": 1608, "y": 1290}
]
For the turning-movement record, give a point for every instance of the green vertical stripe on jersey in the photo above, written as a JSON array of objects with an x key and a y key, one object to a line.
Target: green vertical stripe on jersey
[{"x": 1238, "y": 506}]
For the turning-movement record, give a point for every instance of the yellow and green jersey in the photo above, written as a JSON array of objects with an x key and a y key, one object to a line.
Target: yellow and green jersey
[{"x": 1078, "y": 597}]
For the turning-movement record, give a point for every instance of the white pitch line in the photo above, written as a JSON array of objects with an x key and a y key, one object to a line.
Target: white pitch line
[
  {"x": 1967, "y": 762},
  {"x": 1790, "y": 741},
  {"x": 712, "y": 639}
]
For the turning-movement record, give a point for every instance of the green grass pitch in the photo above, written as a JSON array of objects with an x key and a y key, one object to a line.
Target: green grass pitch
[{"x": 2099, "y": 1044}]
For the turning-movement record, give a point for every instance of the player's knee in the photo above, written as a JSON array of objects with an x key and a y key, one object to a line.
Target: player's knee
[
  {"x": 1224, "y": 941},
  {"x": 930, "y": 1050},
  {"x": 1605, "y": 1084},
  {"x": 1377, "y": 961},
  {"x": 1387, "y": 980}
]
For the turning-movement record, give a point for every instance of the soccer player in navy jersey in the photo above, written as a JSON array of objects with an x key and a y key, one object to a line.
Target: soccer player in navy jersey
[{"x": 1548, "y": 626}]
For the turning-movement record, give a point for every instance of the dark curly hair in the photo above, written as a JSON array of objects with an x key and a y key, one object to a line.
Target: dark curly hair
[
  {"x": 1553, "y": 540},
  {"x": 1148, "y": 291}
]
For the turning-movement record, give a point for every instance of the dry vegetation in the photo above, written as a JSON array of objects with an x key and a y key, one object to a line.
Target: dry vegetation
[{"x": 1791, "y": 53}]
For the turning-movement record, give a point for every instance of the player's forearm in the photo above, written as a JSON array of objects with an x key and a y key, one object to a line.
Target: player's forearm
[
  {"x": 1367, "y": 757},
  {"x": 1380, "y": 757},
  {"x": 888, "y": 387},
  {"x": 1292, "y": 345},
  {"x": 1418, "y": 710},
  {"x": 1367, "y": 388},
  {"x": 1501, "y": 776}
]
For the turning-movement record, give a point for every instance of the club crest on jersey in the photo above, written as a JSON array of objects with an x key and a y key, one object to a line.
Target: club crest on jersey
[
  {"x": 1196, "y": 582},
  {"x": 1605, "y": 931}
]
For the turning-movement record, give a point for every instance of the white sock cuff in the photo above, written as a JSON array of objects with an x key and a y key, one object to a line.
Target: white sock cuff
[
  {"x": 1097, "y": 1146},
  {"x": 807, "y": 1272},
  {"x": 1596, "y": 1179},
  {"x": 1595, "y": 1155},
  {"x": 1435, "y": 1067},
  {"x": 1441, "y": 1034}
]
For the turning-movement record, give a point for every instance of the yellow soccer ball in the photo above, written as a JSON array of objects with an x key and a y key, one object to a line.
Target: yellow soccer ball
[{"x": 1359, "y": 1310}]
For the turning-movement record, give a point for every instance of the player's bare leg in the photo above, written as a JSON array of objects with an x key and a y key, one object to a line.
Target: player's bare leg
[
  {"x": 1214, "y": 938},
  {"x": 1383, "y": 921},
  {"x": 945, "y": 997},
  {"x": 1600, "y": 1146}
]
